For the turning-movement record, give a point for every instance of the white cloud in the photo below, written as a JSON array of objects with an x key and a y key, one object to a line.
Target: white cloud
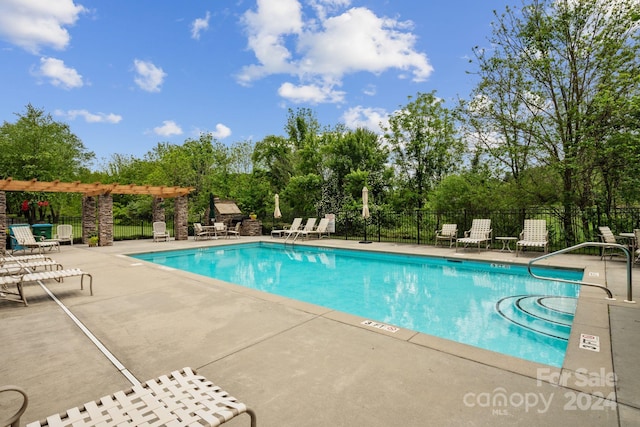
[
  {"x": 314, "y": 94},
  {"x": 369, "y": 118},
  {"x": 59, "y": 74},
  {"x": 149, "y": 77},
  {"x": 358, "y": 40},
  {"x": 266, "y": 29},
  {"x": 221, "y": 131},
  {"x": 324, "y": 7},
  {"x": 326, "y": 48},
  {"x": 90, "y": 117},
  {"x": 32, "y": 24},
  {"x": 199, "y": 25},
  {"x": 168, "y": 128},
  {"x": 370, "y": 90}
]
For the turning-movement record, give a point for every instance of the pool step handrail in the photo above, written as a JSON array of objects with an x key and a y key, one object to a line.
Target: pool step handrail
[{"x": 583, "y": 283}]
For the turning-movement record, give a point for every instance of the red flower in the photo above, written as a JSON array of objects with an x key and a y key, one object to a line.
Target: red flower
[{"x": 25, "y": 205}]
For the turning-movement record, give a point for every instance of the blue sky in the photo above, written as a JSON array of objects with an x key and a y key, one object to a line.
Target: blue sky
[{"x": 128, "y": 74}]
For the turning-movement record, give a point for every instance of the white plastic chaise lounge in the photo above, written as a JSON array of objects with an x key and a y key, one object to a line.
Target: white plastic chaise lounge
[
  {"x": 308, "y": 227},
  {"x": 64, "y": 233},
  {"x": 20, "y": 280},
  {"x": 297, "y": 222},
  {"x": 160, "y": 231},
  {"x": 534, "y": 234},
  {"x": 479, "y": 233},
  {"x": 448, "y": 232},
  {"x": 21, "y": 258},
  {"x": 320, "y": 230},
  {"x": 24, "y": 237},
  {"x": 181, "y": 398},
  {"x": 295, "y": 227},
  {"x": 19, "y": 267}
]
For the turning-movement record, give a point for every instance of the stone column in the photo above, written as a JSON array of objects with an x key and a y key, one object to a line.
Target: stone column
[
  {"x": 251, "y": 227},
  {"x": 180, "y": 220},
  {"x": 105, "y": 220},
  {"x": 158, "y": 209},
  {"x": 3, "y": 221},
  {"x": 88, "y": 218}
]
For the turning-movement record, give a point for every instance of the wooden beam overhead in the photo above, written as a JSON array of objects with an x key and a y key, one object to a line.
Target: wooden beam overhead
[{"x": 93, "y": 189}]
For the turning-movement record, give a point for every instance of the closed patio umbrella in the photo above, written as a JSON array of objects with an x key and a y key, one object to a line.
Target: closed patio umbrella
[
  {"x": 276, "y": 211},
  {"x": 365, "y": 203},
  {"x": 212, "y": 208},
  {"x": 365, "y": 212}
]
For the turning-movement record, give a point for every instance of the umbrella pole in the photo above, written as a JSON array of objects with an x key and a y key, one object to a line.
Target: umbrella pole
[{"x": 365, "y": 233}]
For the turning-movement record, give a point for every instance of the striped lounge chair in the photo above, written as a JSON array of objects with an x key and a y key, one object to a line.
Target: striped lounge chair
[{"x": 534, "y": 234}]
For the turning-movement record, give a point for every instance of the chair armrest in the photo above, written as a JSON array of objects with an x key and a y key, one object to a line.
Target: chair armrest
[{"x": 15, "y": 418}]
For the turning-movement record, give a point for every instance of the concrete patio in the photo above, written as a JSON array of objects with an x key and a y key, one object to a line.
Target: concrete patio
[{"x": 297, "y": 364}]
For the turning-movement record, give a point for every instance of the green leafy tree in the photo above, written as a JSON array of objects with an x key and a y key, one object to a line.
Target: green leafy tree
[
  {"x": 560, "y": 76},
  {"x": 425, "y": 146},
  {"x": 303, "y": 131},
  {"x": 353, "y": 159},
  {"x": 273, "y": 159},
  {"x": 36, "y": 146}
]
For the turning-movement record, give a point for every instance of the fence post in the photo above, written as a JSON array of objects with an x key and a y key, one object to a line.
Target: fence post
[{"x": 418, "y": 217}]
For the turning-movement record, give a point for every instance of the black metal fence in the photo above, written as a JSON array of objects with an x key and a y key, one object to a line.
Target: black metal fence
[
  {"x": 132, "y": 230},
  {"x": 419, "y": 226}
]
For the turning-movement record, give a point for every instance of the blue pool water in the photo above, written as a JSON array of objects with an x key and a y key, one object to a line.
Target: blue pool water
[{"x": 495, "y": 306}]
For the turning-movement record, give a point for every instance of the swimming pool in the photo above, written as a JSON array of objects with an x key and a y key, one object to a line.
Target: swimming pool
[{"x": 495, "y": 306}]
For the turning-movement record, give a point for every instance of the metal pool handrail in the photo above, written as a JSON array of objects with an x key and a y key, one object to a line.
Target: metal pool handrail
[{"x": 579, "y": 282}]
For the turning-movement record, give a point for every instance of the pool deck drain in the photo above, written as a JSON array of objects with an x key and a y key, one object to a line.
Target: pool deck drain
[{"x": 303, "y": 365}]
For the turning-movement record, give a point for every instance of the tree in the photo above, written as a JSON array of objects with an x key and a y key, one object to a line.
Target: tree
[
  {"x": 425, "y": 146},
  {"x": 569, "y": 68},
  {"x": 303, "y": 131},
  {"x": 36, "y": 146},
  {"x": 272, "y": 157},
  {"x": 352, "y": 159}
]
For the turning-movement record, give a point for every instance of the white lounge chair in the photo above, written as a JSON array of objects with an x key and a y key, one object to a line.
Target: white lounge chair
[
  {"x": 296, "y": 226},
  {"x": 160, "y": 231},
  {"x": 181, "y": 398},
  {"x": 320, "y": 230},
  {"x": 24, "y": 239},
  {"x": 19, "y": 280},
  {"x": 21, "y": 267},
  {"x": 64, "y": 233},
  {"x": 607, "y": 236},
  {"x": 297, "y": 222},
  {"x": 308, "y": 227},
  {"x": 20, "y": 258},
  {"x": 534, "y": 234},
  {"x": 448, "y": 232},
  {"x": 479, "y": 233}
]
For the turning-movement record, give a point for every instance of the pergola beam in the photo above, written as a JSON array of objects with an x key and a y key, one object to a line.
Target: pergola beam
[{"x": 94, "y": 189}]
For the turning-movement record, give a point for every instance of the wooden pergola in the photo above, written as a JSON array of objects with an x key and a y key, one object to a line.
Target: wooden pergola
[
  {"x": 102, "y": 194},
  {"x": 94, "y": 189}
]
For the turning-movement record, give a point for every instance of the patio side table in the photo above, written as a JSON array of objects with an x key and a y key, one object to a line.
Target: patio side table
[{"x": 506, "y": 242}]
